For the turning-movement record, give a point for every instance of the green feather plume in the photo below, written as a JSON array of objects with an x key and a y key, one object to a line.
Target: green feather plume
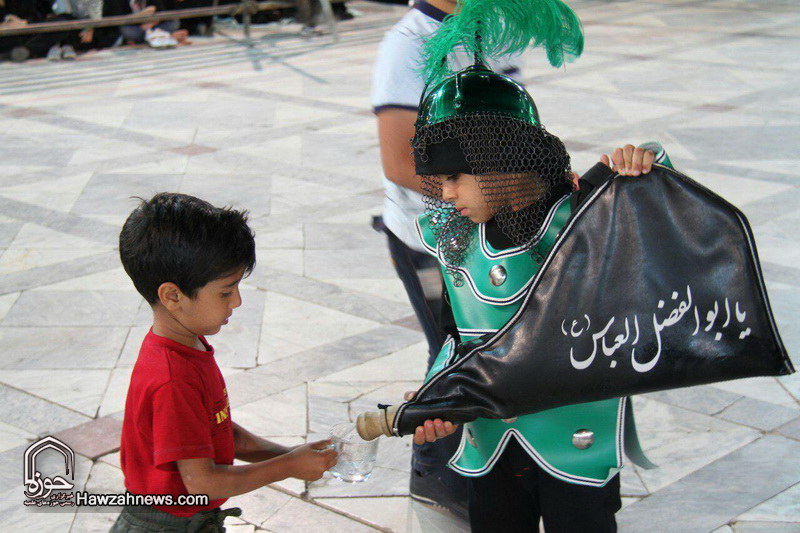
[{"x": 492, "y": 28}]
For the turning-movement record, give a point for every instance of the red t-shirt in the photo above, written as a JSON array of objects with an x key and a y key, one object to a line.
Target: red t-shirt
[{"x": 177, "y": 408}]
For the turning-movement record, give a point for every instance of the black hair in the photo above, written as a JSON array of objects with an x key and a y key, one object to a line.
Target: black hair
[{"x": 184, "y": 240}]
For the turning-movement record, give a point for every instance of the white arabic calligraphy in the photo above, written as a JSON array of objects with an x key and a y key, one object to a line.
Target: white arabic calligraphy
[{"x": 674, "y": 316}]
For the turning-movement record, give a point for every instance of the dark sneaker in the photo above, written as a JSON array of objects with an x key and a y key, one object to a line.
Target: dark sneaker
[{"x": 441, "y": 489}]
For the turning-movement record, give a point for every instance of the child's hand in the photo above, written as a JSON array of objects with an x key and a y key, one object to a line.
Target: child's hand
[
  {"x": 431, "y": 429},
  {"x": 311, "y": 460},
  {"x": 630, "y": 161}
]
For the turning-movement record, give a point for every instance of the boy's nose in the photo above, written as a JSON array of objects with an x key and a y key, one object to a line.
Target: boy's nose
[
  {"x": 449, "y": 191},
  {"x": 237, "y": 299}
]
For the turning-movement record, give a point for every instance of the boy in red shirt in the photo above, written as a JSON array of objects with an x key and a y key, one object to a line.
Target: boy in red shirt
[{"x": 186, "y": 258}]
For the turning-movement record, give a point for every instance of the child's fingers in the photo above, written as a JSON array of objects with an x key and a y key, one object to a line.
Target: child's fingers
[
  {"x": 430, "y": 431},
  {"x": 332, "y": 460},
  {"x": 605, "y": 160},
  {"x": 320, "y": 444},
  {"x": 619, "y": 160},
  {"x": 408, "y": 396},
  {"x": 627, "y": 154},
  {"x": 638, "y": 156},
  {"x": 441, "y": 432},
  {"x": 647, "y": 161},
  {"x": 419, "y": 435}
]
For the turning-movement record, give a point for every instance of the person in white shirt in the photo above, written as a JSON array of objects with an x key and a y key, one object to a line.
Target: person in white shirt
[{"x": 397, "y": 85}]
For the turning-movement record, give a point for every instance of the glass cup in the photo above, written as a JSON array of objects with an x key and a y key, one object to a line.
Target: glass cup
[{"x": 356, "y": 455}]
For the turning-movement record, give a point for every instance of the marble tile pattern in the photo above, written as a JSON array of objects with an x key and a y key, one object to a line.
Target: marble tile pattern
[{"x": 285, "y": 130}]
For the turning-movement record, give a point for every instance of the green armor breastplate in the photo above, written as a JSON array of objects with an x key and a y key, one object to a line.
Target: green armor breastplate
[{"x": 578, "y": 443}]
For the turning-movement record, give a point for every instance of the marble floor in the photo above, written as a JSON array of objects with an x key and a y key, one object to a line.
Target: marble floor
[{"x": 285, "y": 130}]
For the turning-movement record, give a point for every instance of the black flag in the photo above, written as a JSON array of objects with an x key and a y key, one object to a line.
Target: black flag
[{"x": 653, "y": 284}]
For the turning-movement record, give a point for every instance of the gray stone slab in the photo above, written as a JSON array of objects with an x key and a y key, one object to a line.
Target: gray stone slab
[
  {"x": 707, "y": 498},
  {"x": 324, "y": 413},
  {"x": 241, "y": 191},
  {"x": 74, "y": 308},
  {"x": 61, "y": 347},
  {"x": 758, "y": 414},
  {"x": 8, "y": 230},
  {"x": 344, "y": 353},
  {"x": 74, "y": 225},
  {"x": 236, "y": 346},
  {"x": 251, "y": 312},
  {"x": 65, "y": 270},
  {"x": 277, "y": 376},
  {"x": 35, "y": 415},
  {"x": 704, "y": 399},
  {"x": 342, "y": 237},
  {"x": 249, "y": 386},
  {"x": 373, "y": 263},
  {"x": 329, "y": 295},
  {"x": 766, "y": 527},
  {"x": 113, "y": 194},
  {"x": 19, "y": 150},
  {"x": 791, "y": 429}
]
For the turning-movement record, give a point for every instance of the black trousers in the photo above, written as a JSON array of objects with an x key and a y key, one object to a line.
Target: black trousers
[{"x": 516, "y": 493}]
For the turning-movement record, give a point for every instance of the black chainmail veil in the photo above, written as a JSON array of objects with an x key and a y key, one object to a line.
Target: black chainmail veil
[{"x": 519, "y": 167}]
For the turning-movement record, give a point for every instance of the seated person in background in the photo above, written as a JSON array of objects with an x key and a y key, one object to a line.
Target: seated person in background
[
  {"x": 157, "y": 34},
  {"x": 16, "y": 13},
  {"x": 70, "y": 10}
]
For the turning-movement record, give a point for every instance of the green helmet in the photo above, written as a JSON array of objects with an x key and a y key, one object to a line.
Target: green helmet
[{"x": 477, "y": 88}]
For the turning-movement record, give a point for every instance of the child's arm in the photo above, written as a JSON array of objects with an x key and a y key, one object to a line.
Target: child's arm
[
  {"x": 204, "y": 476},
  {"x": 251, "y": 448}
]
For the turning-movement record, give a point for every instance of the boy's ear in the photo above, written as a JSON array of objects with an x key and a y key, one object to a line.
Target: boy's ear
[{"x": 169, "y": 295}]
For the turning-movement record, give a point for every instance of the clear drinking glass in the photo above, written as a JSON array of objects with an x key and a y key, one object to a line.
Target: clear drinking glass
[{"x": 356, "y": 455}]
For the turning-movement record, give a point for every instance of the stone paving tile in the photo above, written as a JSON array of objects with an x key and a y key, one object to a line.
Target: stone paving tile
[
  {"x": 765, "y": 527},
  {"x": 79, "y": 390},
  {"x": 354, "y": 303},
  {"x": 90, "y": 347},
  {"x": 11, "y": 437},
  {"x": 758, "y": 414},
  {"x": 705, "y": 399},
  {"x": 86, "y": 308},
  {"x": 36, "y": 415},
  {"x": 696, "y": 502},
  {"x": 301, "y": 517},
  {"x": 93, "y": 439},
  {"x": 785, "y": 507},
  {"x": 681, "y": 441},
  {"x": 791, "y": 429}
]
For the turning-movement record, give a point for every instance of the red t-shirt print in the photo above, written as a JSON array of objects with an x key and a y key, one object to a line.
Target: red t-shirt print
[{"x": 177, "y": 408}]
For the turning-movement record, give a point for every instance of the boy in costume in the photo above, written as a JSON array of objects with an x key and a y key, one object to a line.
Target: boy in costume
[
  {"x": 187, "y": 258},
  {"x": 499, "y": 191},
  {"x": 498, "y": 188}
]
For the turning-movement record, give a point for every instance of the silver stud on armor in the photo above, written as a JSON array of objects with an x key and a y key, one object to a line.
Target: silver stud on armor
[
  {"x": 471, "y": 439},
  {"x": 510, "y": 420},
  {"x": 583, "y": 438},
  {"x": 497, "y": 275}
]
